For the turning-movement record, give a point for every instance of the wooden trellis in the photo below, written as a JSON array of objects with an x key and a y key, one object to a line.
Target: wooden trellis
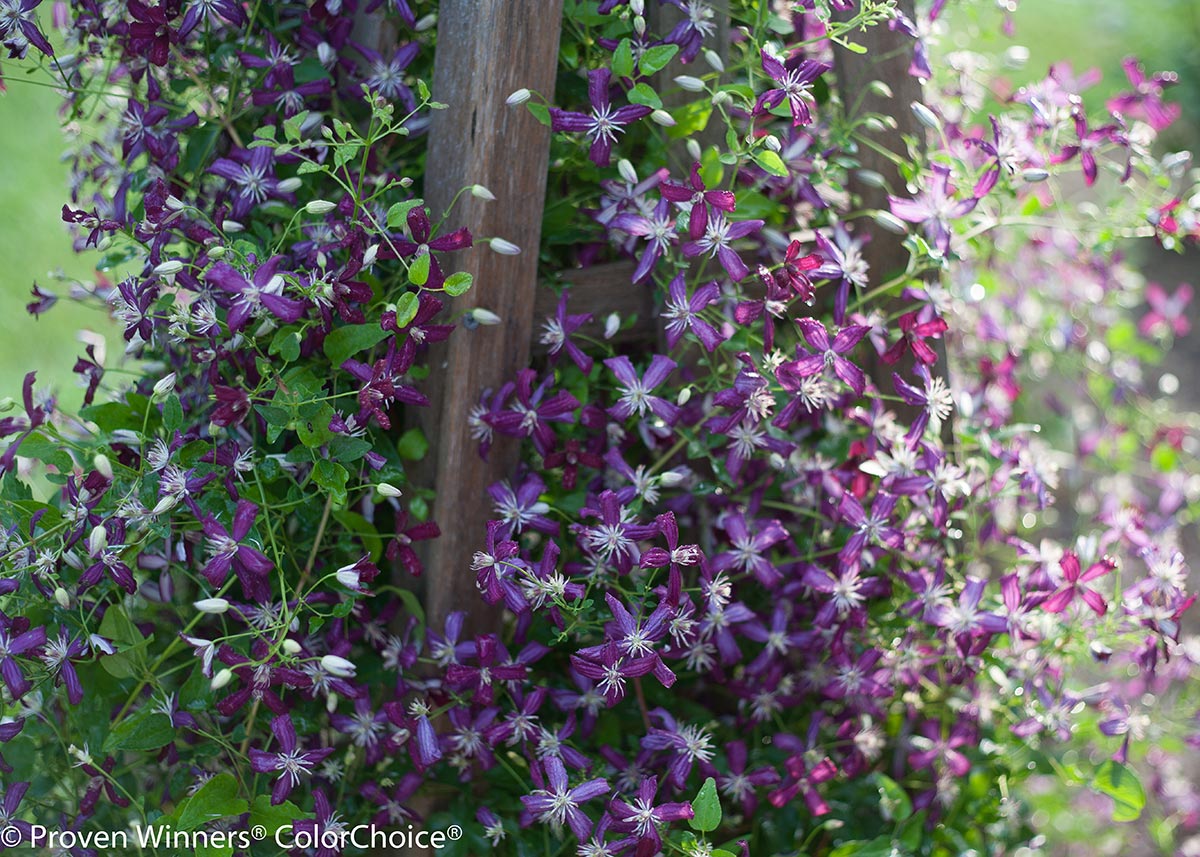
[{"x": 486, "y": 50}]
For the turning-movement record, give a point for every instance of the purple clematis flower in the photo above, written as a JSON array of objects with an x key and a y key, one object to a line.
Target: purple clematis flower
[
  {"x": 262, "y": 293},
  {"x": 830, "y": 353},
  {"x": 642, "y": 818},
  {"x": 557, "y": 330},
  {"x": 913, "y": 334},
  {"x": 557, "y": 804},
  {"x": 385, "y": 75},
  {"x": 795, "y": 81},
  {"x": 150, "y": 33},
  {"x": 657, "y": 228},
  {"x": 872, "y": 529},
  {"x": 934, "y": 207},
  {"x": 1167, "y": 312},
  {"x": 531, "y": 413},
  {"x": 10, "y": 800},
  {"x": 12, "y": 645},
  {"x": 420, "y": 229},
  {"x": 934, "y": 398},
  {"x": 965, "y": 620},
  {"x": 251, "y": 175},
  {"x": 604, "y": 123},
  {"x": 19, "y": 29},
  {"x": 226, "y": 552},
  {"x": 57, "y": 657},
  {"x": 1090, "y": 140},
  {"x": 718, "y": 235},
  {"x": 683, "y": 314},
  {"x": 635, "y": 391},
  {"x": 750, "y": 551},
  {"x": 291, "y": 762}
]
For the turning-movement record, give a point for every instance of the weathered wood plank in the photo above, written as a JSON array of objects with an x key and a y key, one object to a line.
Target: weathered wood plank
[{"x": 486, "y": 50}]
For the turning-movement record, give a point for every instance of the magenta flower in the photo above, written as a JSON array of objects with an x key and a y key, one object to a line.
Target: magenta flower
[
  {"x": 557, "y": 330},
  {"x": 657, "y": 228},
  {"x": 1146, "y": 99},
  {"x": 934, "y": 207},
  {"x": 1073, "y": 584},
  {"x": 19, "y": 29},
  {"x": 603, "y": 124},
  {"x": 1167, "y": 312},
  {"x": 698, "y": 200},
  {"x": 1090, "y": 141},
  {"x": 251, "y": 175},
  {"x": 869, "y": 529},
  {"x": 557, "y": 804},
  {"x": 291, "y": 762},
  {"x": 830, "y": 353},
  {"x": 913, "y": 334},
  {"x": 420, "y": 229},
  {"x": 795, "y": 79}
]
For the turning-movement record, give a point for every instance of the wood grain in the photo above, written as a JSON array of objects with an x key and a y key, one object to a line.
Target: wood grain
[{"x": 486, "y": 49}]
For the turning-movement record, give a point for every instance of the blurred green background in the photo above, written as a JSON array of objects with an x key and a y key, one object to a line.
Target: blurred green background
[{"x": 34, "y": 242}]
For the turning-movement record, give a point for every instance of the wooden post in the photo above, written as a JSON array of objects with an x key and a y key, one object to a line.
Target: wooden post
[{"x": 486, "y": 49}]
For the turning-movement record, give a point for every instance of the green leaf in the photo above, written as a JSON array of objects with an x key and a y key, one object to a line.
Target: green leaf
[
  {"x": 418, "y": 271},
  {"x": 707, "y": 807},
  {"x": 656, "y": 58},
  {"x": 332, "y": 477},
  {"x": 218, "y": 798},
  {"x": 273, "y": 817},
  {"x": 772, "y": 163},
  {"x": 893, "y": 799},
  {"x": 172, "y": 413},
  {"x": 345, "y": 153},
  {"x": 643, "y": 94},
  {"x": 148, "y": 730},
  {"x": 540, "y": 112},
  {"x": 397, "y": 215},
  {"x": 345, "y": 342},
  {"x": 412, "y": 445},
  {"x": 458, "y": 283},
  {"x": 406, "y": 308},
  {"x": 275, "y": 416},
  {"x": 292, "y": 125},
  {"x": 348, "y": 449},
  {"x": 622, "y": 60},
  {"x": 285, "y": 343},
  {"x": 309, "y": 167},
  {"x": 1121, "y": 783},
  {"x": 116, "y": 626}
]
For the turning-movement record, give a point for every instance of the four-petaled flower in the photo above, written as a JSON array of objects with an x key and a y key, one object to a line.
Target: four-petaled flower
[
  {"x": 603, "y": 124},
  {"x": 289, "y": 760}
]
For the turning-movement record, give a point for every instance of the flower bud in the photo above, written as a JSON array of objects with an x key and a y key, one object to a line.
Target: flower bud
[
  {"x": 62, "y": 597},
  {"x": 685, "y": 396},
  {"x": 872, "y": 178},
  {"x": 637, "y": 7},
  {"x": 504, "y": 248},
  {"x": 612, "y": 324},
  {"x": 348, "y": 576},
  {"x": 693, "y": 149},
  {"x": 369, "y": 256},
  {"x": 217, "y": 251},
  {"x": 518, "y": 97},
  {"x": 319, "y": 206},
  {"x": 331, "y": 703},
  {"x": 97, "y": 540},
  {"x": 232, "y": 226},
  {"x": 175, "y": 203},
  {"x": 772, "y": 143},
  {"x": 721, "y": 97},
  {"x": 627, "y": 171},
  {"x": 425, "y": 23},
  {"x": 103, "y": 465},
  {"x": 214, "y": 606},
  {"x": 164, "y": 386},
  {"x": 1034, "y": 174},
  {"x": 671, "y": 478},
  {"x": 890, "y": 222},
  {"x": 480, "y": 192},
  {"x": 662, "y": 117},
  {"x": 169, "y": 268},
  {"x": 485, "y": 316},
  {"x": 714, "y": 60},
  {"x": 878, "y": 87},
  {"x": 689, "y": 83},
  {"x": 388, "y": 490},
  {"x": 406, "y": 182},
  {"x": 291, "y": 646},
  {"x": 639, "y": 25},
  {"x": 926, "y": 116},
  {"x": 338, "y": 666},
  {"x": 221, "y": 679}
]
